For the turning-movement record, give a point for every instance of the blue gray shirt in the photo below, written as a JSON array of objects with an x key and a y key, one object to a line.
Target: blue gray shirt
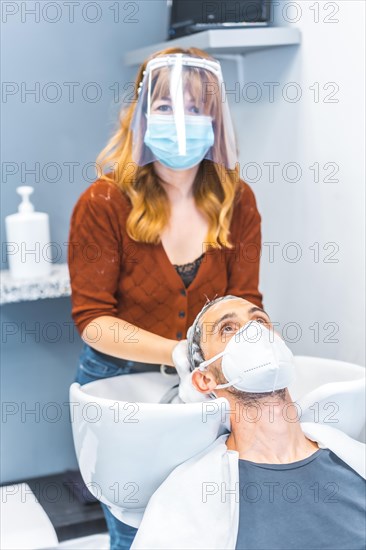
[{"x": 315, "y": 503}]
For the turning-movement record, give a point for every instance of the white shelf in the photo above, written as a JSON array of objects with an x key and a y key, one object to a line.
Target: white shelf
[
  {"x": 56, "y": 285},
  {"x": 224, "y": 41}
]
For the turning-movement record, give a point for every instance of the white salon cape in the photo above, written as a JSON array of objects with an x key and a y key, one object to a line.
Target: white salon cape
[{"x": 197, "y": 506}]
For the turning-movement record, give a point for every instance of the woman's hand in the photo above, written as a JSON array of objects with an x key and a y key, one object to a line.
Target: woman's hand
[
  {"x": 180, "y": 358},
  {"x": 187, "y": 392}
]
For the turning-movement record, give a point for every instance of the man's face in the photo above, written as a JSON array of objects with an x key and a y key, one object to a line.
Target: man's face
[{"x": 221, "y": 321}]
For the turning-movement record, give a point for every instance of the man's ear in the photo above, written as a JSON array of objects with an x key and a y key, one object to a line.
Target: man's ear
[{"x": 203, "y": 381}]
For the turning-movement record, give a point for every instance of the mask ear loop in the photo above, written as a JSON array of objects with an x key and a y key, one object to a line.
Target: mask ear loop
[
  {"x": 203, "y": 366},
  {"x": 208, "y": 362},
  {"x": 222, "y": 386}
]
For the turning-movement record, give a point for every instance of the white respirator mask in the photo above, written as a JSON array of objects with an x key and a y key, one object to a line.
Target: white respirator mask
[{"x": 255, "y": 360}]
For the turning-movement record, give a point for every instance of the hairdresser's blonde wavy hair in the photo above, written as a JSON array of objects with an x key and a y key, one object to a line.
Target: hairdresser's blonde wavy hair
[{"x": 214, "y": 188}]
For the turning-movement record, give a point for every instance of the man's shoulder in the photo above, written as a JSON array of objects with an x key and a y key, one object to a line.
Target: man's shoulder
[{"x": 348, "y": 449}]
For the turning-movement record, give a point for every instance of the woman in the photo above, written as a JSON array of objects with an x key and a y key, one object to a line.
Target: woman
[{"x": 170, "y": 226}]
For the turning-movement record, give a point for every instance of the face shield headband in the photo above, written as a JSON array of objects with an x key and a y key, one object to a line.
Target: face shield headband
[{"x": 182, "y": 115}]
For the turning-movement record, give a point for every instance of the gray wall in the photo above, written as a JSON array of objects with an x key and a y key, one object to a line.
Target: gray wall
[{"x": 318, "y": 300}]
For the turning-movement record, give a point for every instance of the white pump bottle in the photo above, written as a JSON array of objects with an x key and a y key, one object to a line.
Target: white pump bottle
[{"x": 28, "y": 238}]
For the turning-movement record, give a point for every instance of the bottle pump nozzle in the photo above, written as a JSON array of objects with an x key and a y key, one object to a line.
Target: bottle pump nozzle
[{"x": 25, "y": 191}]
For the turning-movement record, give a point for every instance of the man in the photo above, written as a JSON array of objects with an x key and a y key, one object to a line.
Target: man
[{"x": 273, "y": 483}]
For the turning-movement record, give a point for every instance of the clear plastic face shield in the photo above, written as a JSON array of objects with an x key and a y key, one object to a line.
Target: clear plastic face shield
[{"x": 182, "y": 114}]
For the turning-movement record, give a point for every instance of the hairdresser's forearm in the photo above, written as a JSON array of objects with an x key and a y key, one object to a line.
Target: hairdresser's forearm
[{"x": 119, "y": 338}]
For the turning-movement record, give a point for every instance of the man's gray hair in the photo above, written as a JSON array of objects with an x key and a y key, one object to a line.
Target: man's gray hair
[{"x": 194, "y": 333}]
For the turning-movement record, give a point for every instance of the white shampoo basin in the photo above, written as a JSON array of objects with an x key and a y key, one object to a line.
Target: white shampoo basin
[{"x": 127, "y": 443}]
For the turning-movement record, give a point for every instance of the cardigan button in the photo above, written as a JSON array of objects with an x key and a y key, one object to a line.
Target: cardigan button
[
  {"x": 179, "y": 335},
  {"x": 182, "y": 314},
  {"x": 183, "y": 292}
]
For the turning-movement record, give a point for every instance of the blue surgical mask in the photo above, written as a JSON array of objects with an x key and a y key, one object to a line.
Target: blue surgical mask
[{"x": 161, "y": 138}]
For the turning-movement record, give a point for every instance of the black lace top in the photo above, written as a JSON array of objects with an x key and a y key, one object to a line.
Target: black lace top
[{"x": 188, "y": 271}]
